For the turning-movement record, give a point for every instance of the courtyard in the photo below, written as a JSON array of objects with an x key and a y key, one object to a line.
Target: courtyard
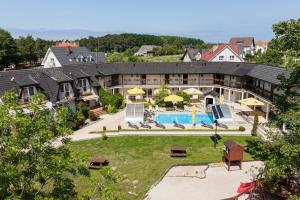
[{"x": 142, "y": 160}]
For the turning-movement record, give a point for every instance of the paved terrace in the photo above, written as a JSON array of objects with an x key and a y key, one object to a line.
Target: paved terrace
[{"x": 219, "y": 183}]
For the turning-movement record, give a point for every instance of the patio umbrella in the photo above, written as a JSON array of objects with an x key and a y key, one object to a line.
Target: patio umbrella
[
  {"x": 194, "y": 110},
  {"x": 221, "y": 100},
  {"x": 156, "y": 91},
  {"x": 193, "y": 91},
  {"x": 251, "y": 102},
  {"x": 173, "y": 98},
  {"x": 135, "y": 91}
]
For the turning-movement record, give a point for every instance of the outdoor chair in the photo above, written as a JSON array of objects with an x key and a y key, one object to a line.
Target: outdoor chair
[
  {"x": 159, "y": 125},
  {"x": 158, "y": 109},
  {"x": 178, "y": 125},
  {"x": 143, "y": 125},
  {"x": 131, "y": 125},
  {"x": 206, "y": 125},
  {"x": 187, "y": 109}
]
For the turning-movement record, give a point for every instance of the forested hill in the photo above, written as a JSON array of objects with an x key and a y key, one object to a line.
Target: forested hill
[{"x": 122, "y": 42}]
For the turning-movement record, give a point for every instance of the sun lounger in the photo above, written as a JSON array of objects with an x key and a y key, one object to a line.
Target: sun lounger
[
  {"x": 178, "y": 109},
  {"x": 178, "y": 125},
  {"x": 206, "y": 125},
  {"x": 145, "y": 125},
  {"x": 223, "y": 125},
  {"x": 131, "y": 125},
  {"x": 149, "y": 120},
  {"x": 159, "y": 125},
  {"x": 187, "y": 109},
  {"x": 158, "y": 109}
]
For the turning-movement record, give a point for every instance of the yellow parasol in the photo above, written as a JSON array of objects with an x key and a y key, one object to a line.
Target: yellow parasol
[
  {"x": 194, "y": 110},
  {"x": 221, "y": 100},
  {"x": 135, "y": 91},
  {"x": 193, "y": 91},
  {"x": 251, "y": 102},
  {"x": 173, "y": 98},
  {"x": 156, "y": 91}
]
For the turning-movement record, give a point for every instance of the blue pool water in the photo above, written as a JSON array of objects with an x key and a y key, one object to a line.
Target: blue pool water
[{"x": 183, "y": 118}]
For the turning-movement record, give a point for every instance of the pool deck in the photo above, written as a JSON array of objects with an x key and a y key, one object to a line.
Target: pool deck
[{"x": 111, "y": 122}]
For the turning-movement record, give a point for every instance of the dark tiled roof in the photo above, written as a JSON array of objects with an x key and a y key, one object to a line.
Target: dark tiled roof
[
  {"x": 68, "y": 55},
  {"x": 48, "y": 79}
]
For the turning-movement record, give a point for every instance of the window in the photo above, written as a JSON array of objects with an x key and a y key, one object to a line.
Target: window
[
  {"x": 231, "y": 57},
  {"x": 27, "y": 92},
  {"x": 83, "y": 84},
  {"x": 52, "y": 60},
  {"x": 90, "y": 58},
  {"x": 221, "y": 57},
  {"x": 65, "y": 88}
]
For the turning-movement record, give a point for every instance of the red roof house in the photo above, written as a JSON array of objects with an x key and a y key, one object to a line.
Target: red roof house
[{"x": 223, "y": 53}]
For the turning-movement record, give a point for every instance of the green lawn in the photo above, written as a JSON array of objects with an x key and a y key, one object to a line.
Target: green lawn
[
  {"x": 170, "y": 58},
  {"x": 146, "y": 158}
]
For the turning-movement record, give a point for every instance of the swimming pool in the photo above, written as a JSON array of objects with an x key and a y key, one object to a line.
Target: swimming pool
[{"x": 182, "y": 118}]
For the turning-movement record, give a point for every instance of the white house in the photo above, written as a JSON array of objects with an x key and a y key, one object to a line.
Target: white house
[
  {"x": 247, "y": 43},
  {"x": 59, "y": 56},
  {"x": 223, "y": 53},
  {"x": 261, "y": 46}
]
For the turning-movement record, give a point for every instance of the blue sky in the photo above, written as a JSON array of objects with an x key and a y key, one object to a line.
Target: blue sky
[{"x": 211, "y": 20}]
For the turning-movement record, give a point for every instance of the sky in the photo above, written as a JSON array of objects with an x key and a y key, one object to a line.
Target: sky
[{"x": 210, "y": 20}]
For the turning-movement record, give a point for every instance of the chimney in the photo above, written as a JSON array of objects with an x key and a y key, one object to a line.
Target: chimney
[{"x": 68, "y": 50}]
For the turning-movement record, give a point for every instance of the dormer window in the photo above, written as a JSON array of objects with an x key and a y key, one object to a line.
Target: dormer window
[
  {"x": 65, "y": 88},
  {"x": 27, "y": 92},
  {"x": 79, "y": 58},
  {"x": 89, "y": 58},
  {"x": 221, "y": 57},
  {"x": 82, "y": 83}
]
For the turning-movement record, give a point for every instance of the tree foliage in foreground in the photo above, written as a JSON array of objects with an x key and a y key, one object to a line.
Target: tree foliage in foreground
[
  {"x": 285, "y": 47},
  {"x": 8, "y": 49},
  {"x": 281, "y": 153},
  {"x": 30, "y": 166}
]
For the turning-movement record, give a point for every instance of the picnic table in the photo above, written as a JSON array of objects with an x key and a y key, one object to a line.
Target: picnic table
[
  {"x": 97, "y": 162},
  {"x": 178, "y": 151}
]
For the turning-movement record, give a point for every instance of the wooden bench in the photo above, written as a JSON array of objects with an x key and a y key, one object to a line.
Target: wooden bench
[
  {"x": 97, "y": 162},
  {"x": 178, "y": 151}
]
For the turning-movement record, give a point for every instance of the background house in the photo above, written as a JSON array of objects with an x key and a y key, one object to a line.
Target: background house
[
  {"x": 223, "y": 53},
  {"x": 146, "y": 50},
  {"x": 261, "y": 46},
  {"x": 247, "y": 43},
  {"x": 58, "y": 56},
  {"x": 192, "y": 54}
]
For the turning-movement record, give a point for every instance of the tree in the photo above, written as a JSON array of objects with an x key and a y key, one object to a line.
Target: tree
[
  {"x": 116, "y": 57},
  {"x": 281, "y": 153},
  {"x": 26, "y": 48},
  {"x": 159, "y": 97},
  {"x": 31, "y": 167},
  {"x": 114, "y": 100},
  {"x": 255, "y": 124},
  {"x": 285, "y": 45},
  {"x": 8, "y": 49}
]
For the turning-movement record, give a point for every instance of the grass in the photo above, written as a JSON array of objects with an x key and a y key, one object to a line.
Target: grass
[
  {"x": 169, "y": 58},
  {"x": 146, "y": 158},
  {"x": 168, "y": 130}
]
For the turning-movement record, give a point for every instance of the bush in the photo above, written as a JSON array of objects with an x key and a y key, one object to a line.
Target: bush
[
  {"x": 119, "y": 127},
  {"x": 104, "y": 128},
  {"x": 159, "y": 97},
  {"x": 147, "y": 104},
  {"x": 241, "y": 128},
  {"x": 111, "y": 109},
  {"x": 104, "y": 136},
  {"x": 92, "y": 116},
  {"x": 107, "y": 99},
  {"x": 123, "y": 105}
]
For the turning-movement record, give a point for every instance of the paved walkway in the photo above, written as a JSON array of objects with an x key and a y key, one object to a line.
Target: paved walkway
[{"x": 218, "y": 184}]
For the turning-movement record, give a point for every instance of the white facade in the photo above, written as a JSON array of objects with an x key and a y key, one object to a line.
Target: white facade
[
  {"x": 226, "y": 55},
  {"x": 261, "y": 48},
  {"x": 50, "y": 60}
]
